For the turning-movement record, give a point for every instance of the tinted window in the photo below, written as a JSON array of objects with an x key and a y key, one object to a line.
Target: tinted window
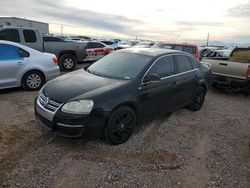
[
  {"x": 194, "y": 62},
  {"x": 29, "y": 36},
  {"x": 180, "y": 48},
  {"x": 163, "y": 67},
  {"x": 96, "y": 45},
  {"x": 9, "y": 52},
  {"x": 108, "y": 42},
  {"x": 189, "y": 49},
  {"x": 10, "y": 35},
  {"x": 183, "y": 63},
  {"x": 52, "y": 39},
  {"x": 120, "y": 65}
]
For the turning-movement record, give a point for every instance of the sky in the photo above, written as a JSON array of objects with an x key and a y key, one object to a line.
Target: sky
[{"x": 165, "y": 20}]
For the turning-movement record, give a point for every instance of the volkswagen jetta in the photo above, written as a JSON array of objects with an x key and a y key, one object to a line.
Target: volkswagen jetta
[{"x": 111, "y": 96}]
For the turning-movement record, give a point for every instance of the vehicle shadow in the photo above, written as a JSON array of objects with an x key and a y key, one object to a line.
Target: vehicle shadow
[{"x": 228, "y": 92}]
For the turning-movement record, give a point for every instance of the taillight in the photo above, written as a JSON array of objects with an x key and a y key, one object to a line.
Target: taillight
[
  {"x": 55, "y": 60},
  {"x": 248, "y": 71}
]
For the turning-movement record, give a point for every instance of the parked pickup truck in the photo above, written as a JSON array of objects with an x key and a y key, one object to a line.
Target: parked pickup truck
[
  {"x": 231, "y": 73},
  {"x": 68, "y": 53}
]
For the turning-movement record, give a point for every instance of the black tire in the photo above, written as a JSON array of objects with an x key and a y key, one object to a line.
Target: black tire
[
  {"x": 33, "y": 80},
  {"x": 67, "y": 62},
  {"x": 198, "y": 99},
  {"x": 120, "y": 125}
]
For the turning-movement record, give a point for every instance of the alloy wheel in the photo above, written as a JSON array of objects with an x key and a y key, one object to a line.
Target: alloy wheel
[{"x": 34, "y": 81}]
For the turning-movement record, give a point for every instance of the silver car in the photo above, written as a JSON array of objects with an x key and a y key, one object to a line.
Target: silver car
[{"x": 26, "y": 67}]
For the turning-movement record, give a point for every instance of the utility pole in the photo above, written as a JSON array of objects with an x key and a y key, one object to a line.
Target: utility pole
[
  {"x": 61, "y": 30},
  {"x": 208, "y": 35}
]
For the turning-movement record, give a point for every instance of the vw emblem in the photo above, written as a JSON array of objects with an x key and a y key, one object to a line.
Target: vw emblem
[{"x": 46, "y": 101}]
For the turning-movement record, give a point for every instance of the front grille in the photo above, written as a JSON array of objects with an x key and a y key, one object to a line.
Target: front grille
[{"x": 48, "y": 103}]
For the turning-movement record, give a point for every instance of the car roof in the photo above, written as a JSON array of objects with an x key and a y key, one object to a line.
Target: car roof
[
  {"x": 178, "y": 44},
  {"x": 151, "y": 51}
]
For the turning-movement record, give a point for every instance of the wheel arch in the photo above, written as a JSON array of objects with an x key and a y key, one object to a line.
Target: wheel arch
[
  {"x": 67, "y": 52},
  {"x": 131, "y": 105},
  {"x": 204, "y": 86},
  {"x": 30, "y": 70}
]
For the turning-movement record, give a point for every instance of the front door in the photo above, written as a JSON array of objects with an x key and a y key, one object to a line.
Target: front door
[
  {"x": 159, "y": 97},
  {"x": 11, "y": 64}
]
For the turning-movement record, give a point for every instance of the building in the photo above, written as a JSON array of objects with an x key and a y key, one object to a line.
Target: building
[{"x": 21, "y": 22}]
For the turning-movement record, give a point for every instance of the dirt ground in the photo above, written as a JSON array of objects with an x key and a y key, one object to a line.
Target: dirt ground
[{"x": 208, "y": 148}]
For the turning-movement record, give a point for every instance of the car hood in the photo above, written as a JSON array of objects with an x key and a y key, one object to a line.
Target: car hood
[{"x": 79, "y": 85}]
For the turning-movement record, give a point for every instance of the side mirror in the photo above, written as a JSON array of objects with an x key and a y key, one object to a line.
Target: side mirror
[{"x": 152, "y": 78}]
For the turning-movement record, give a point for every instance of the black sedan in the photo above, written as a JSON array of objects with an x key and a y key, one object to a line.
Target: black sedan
[{"x": 111, "y": 96}]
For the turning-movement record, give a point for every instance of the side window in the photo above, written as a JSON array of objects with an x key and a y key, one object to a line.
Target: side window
[
  {"x": 163, "y": 67},
  {"x": 9, "y": 52},
  {"x": 189, "y": 49},
  {"x": 29, "y": 36},
  {"x": 183, "y": 63},
  {"x": 94, "y": 45},
  {"x": 194, "y": 62},
  {"x": 10, "y": 35},
  {"x": 89, "y": 45},
  {"x": 98, "y": 45},
  {"x": 179, "y": 48},
  {"x": 23, "y": 53}
]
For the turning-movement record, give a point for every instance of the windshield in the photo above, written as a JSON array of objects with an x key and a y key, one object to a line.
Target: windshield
[{"x": 120, "y": 65}]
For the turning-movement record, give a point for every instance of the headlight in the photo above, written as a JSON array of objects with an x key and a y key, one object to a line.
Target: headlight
[{"x": 78, "y": 107}]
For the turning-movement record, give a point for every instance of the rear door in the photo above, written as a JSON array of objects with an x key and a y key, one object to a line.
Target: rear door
[
  {"x": 95, "y": 51},
  {"x": 11, "y": 65},
  {"x": 158, "y": 97},
  {"x": 187, "y": 81}
]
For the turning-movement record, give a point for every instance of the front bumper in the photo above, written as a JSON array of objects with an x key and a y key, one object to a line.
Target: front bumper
[{"x": 68, "y": 125}]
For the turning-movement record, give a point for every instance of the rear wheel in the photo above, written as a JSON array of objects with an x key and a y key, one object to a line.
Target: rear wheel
[
  {"x": 33, "y": 80},
  {"x": 67, "y": 62},
  {"x": 198, "y": 99},
  {"x": 120, "y": 125}
]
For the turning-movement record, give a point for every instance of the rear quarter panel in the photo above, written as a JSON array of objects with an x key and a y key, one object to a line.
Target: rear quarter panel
[{"x": 58, "y": 47}]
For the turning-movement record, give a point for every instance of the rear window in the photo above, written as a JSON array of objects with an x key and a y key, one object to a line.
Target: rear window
[
  {"x": 183, "y": 63},
  {"x": 10, "y": 35},
  {"x": 29, "y": 36}
]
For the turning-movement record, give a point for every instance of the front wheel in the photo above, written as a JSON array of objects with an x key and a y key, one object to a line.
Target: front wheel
[
  {"x": 120, "y": 125},
  {"x": 198, "y": 99},
  {"x": 67, "y": 62}
]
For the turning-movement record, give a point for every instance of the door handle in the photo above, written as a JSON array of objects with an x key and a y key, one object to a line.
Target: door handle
[
  {"x": 223, "y": 64},
  {"x": 20, "y": 63}
]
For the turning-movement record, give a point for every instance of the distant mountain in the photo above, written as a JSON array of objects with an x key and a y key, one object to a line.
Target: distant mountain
[{"x": 218, "y": 43}]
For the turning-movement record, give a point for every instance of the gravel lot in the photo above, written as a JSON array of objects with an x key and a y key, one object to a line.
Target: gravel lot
[{"x": 208, "y": 148}]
